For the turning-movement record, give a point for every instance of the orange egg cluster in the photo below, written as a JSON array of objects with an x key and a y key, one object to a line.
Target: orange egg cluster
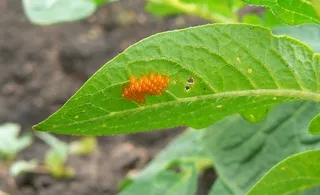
[{"x": 137, "y": 89}]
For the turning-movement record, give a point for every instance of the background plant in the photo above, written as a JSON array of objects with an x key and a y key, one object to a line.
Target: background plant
[
  {"x": 10, "y": 143},
  {"x": 97, "y": 106},
  {"x": 56, "y": 11},
  {"x": 55, "y": 158}
]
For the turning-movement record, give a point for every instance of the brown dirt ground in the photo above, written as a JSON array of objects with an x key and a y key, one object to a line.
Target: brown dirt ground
[{"x": 41, "y": 67}]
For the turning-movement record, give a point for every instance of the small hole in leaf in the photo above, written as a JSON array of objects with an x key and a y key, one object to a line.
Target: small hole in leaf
[
  {"x": 175, "y": 168},
  {"x": 190, "y": 80},
  {"x": 188, "y": 88}
]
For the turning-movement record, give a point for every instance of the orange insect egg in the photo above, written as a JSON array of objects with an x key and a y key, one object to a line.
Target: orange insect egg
[{"x": 137, "y": 89}]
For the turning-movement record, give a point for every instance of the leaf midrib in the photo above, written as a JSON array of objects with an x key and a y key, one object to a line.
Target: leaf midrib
[{"x": 290, "y": 93}]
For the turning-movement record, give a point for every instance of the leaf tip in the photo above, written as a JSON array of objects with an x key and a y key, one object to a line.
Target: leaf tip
[{"x": 38, "y": 127}]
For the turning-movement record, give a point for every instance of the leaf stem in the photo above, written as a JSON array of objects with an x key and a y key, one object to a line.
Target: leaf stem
[{"x": 194, "y": 9}]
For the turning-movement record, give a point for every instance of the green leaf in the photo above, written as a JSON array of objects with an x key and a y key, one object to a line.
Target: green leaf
[
  {"x": 44, "y": 12},
  {"x": 291, "y": 12},
  {"x": 236, "y": 68},
  {"x": 101, "y": 2},
  {"x": 173, "y": 171},
  {"x": 251, "y": 19},
  {"x": 270, "y": 20},
  {"x": 316, "y": 4},
  {"x": 314, "y": 126},
  {"x": 10, "y": 144},
  {"x": 56, "y": 157},
  {"x": 83, "y": 146},
  {"x": 243, "y": 152},
  {"x": 167, "y": 182},
  {"x": 226, "y": 8},
  {"x": 220, "y": 188},
  {"x": 213, "y": 10},
  {"x": 307, "y": 33},
  {"x": 22, "y": 166},
  {"x": 160, "y": 9},
  {"x": 292, "y": 175}
]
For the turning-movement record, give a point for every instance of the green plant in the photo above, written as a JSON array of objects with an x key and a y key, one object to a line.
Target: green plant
[
  {"x": 218, "y": 72},
  {"x": 56, "y": 11},
  {"x": 21, "y": 166},
  {"x": 83, "y": 146},
  {"x": 241, "y": 152},
  {"x": 295, "y": 174},
  {"x": 56, "y": 156},
  {"x": 10, "y": 143}
]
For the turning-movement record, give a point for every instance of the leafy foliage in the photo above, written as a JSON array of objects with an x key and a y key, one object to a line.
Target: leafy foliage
[
  {"x": 214, "y": 10},
  {"x": 240, "y": 69},
  {"x": 307, "y": 33},
  {"x": 83, "y": 146},
  {"x": 292, "y": 175},
  {"x": 22, "y": 166},
  {"x": 55, "y": 11},
  {"x": 173, "y": 171},
  {"x": 316, "y": 4},
  {"x": 243, "y": 152},
  {"x": 236, "y": 69},
  {"x": 10, "y": 143},
  {"x": 56, "y": 157},
  {"x": 291, "y": 12}
]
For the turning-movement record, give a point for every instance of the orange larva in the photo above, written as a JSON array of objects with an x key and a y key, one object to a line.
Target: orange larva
[{"x": 137, "y": 89}]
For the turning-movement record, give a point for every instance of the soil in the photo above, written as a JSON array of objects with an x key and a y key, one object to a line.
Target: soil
[{"x": 42, "y": 66}]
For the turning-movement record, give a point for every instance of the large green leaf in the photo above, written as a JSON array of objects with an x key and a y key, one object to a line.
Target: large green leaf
[
  {"x": 45, "y": 12},
  {"x": 283, "y": 135},
  {"x": 236, "y": 68},
  {"x": 243, "y": 152},
  {"x": 292, "y": 175},
  {"x": 184, "y": 154},
  {"x": 291, "y": 12}
]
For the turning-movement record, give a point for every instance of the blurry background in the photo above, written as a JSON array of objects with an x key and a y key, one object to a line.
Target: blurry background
[{"x": 42, "y": 66}]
